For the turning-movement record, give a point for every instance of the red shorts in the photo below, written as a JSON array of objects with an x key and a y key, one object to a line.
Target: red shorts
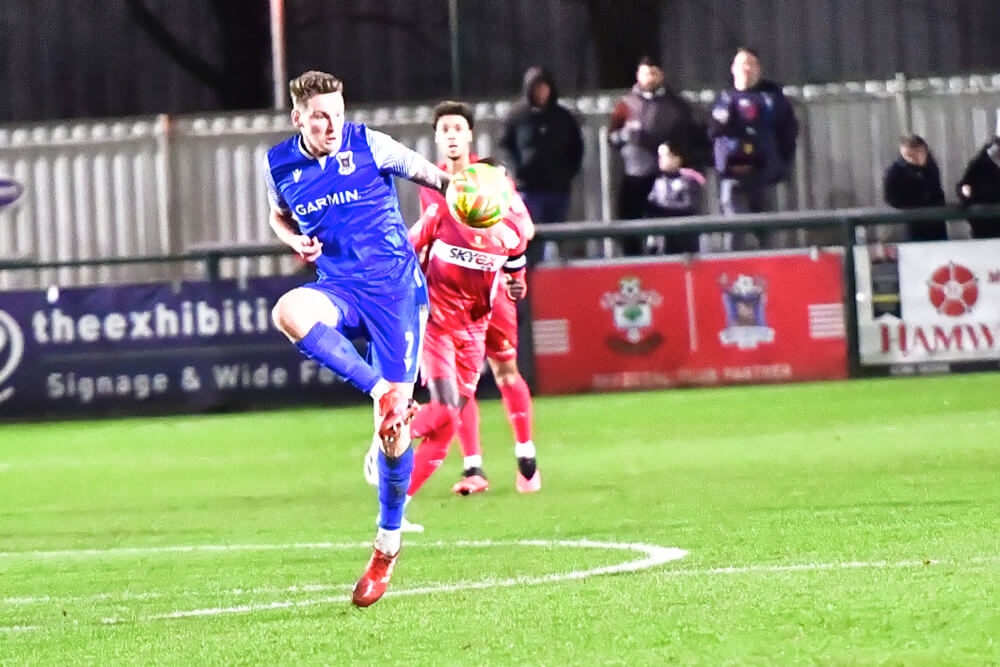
[
  {"x": 501, "y": 337},
  {"x": 453, "y": 354}
]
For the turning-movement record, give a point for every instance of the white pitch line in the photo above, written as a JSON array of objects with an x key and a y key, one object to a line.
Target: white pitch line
[
  {"x": 655, "y": 555},
  {"x": 553, "y": 578},
  {"x": 19, "y": 628},
  {"x": 801, "y": 567},
  {"x": 128, "y": 596},
  {"x": 224, "y": 548},
  {"x": 193, "y": 548}
]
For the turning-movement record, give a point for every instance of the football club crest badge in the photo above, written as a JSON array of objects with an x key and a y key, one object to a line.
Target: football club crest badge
[
  {"x": 744, "y": 301},
  {"x": 11, "y": 351},
  {"x": 632, "y": 310},
  {"x": 345, "y": 161},
  {"x": 10, "y": 191}
]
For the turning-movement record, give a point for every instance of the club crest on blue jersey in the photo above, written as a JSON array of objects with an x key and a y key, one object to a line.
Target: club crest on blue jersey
[{"x": 346, "y": 161}]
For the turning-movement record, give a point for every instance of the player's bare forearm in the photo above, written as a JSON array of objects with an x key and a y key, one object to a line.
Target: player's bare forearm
[
  {"x": 284, "y": 226},
  {"x": 287, "y": 230}
]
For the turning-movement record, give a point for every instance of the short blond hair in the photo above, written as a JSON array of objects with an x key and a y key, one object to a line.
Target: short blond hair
[{"x": 312, "y": 83}]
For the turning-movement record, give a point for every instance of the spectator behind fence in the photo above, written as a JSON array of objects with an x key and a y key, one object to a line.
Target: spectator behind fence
[
  {"x": 981, "y": 185},
  {"x": 677, "y": 191},
  {"x": 649, "y": 115},
  {"x": 754, "y": 130},
  {"x": 544, "y": 147},
  {"x": 914, "y": 181}
]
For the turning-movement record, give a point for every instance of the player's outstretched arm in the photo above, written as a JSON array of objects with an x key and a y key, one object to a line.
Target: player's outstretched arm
[
  {"x": 430, "y": 176},
  {"x": 287, "y": 231},
  {"x": 395, "y": 158},
  {"x": 422, "y": 232}
]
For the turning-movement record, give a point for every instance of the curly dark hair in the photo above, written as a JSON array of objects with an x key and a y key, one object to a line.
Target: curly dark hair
[{"x": 452, "y": 108}]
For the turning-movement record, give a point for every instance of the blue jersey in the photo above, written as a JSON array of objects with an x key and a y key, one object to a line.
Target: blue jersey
[{"x": 348, "y": 201}]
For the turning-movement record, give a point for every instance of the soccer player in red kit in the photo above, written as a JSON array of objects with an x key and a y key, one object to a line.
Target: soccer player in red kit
[
  {"x": 468, "y": 271},
  {"x": 453, "y": 123}
]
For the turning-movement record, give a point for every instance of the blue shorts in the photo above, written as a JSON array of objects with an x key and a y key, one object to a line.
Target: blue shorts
[{"x": 391, "y": 318}]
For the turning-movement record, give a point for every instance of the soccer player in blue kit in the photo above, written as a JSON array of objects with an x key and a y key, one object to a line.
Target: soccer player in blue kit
[{"x": 334, "y": 203}]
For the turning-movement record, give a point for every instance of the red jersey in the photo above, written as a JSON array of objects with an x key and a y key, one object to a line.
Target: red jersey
[{"x": 464, "y": 264}]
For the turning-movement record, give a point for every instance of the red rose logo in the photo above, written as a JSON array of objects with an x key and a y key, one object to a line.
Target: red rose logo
[{"x": 953, "y": 289}]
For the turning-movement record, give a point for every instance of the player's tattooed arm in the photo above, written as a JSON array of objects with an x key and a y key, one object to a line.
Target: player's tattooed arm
[
  {"x": 430, "y": 176},
  {"x": 397, "y": 159}
]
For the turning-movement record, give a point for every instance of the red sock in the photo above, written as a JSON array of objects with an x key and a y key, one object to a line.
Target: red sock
[
  {"x": 517, "y": 400},
  {"x": 429, "y": 418},
  {"x": 428, "y": 458},
  {"x": 468, "y": 429},
  {"x": 434, "y": 447}
]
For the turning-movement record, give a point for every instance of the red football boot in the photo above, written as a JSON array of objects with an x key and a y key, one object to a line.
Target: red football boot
[
  {"x": 471, "y": 484},
  {"x": 395, "y": 411},
  {"x": 372, "y": 584}
]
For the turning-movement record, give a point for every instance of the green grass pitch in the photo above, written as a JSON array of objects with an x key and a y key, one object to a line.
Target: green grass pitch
[{"x": 846, "y": 523}]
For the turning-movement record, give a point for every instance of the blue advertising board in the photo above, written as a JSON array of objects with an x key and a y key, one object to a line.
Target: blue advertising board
[{"x": 152, "y": 348}]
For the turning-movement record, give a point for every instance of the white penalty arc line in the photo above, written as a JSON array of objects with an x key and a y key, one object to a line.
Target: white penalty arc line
[
  {"x": 654, "y": 555},
  {"x": 651, "y": 561},
  {"x": 129, "y": 596}
]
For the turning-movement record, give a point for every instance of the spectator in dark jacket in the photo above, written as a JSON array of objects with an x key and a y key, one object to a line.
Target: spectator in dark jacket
[
  {"x": 649, "y": 115},
  {"x": 544, "y": 146},
  {"x": 914, "y": 181},
  {"x": 754, "y": 130},
  {"x": 981, "y": 185}
]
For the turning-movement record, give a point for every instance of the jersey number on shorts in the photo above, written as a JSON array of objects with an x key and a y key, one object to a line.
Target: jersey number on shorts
[{"x": 408, "y": 359}]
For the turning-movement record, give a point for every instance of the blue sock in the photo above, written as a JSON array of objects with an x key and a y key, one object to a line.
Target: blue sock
[
  {"x": 337, "y": 353},
  {"x": 393, "y": 483}
]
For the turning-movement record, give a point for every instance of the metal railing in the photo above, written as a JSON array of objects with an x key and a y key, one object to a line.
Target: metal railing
[
  {"x": 161, "y": 185},
  {"x": 209, "y": 257}
]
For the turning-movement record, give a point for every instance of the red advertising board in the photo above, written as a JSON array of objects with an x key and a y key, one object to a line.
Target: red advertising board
[{"x": 714, "y": 321}]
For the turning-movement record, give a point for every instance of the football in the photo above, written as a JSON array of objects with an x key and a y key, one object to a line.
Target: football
[{"x": 479, "y": 195}]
